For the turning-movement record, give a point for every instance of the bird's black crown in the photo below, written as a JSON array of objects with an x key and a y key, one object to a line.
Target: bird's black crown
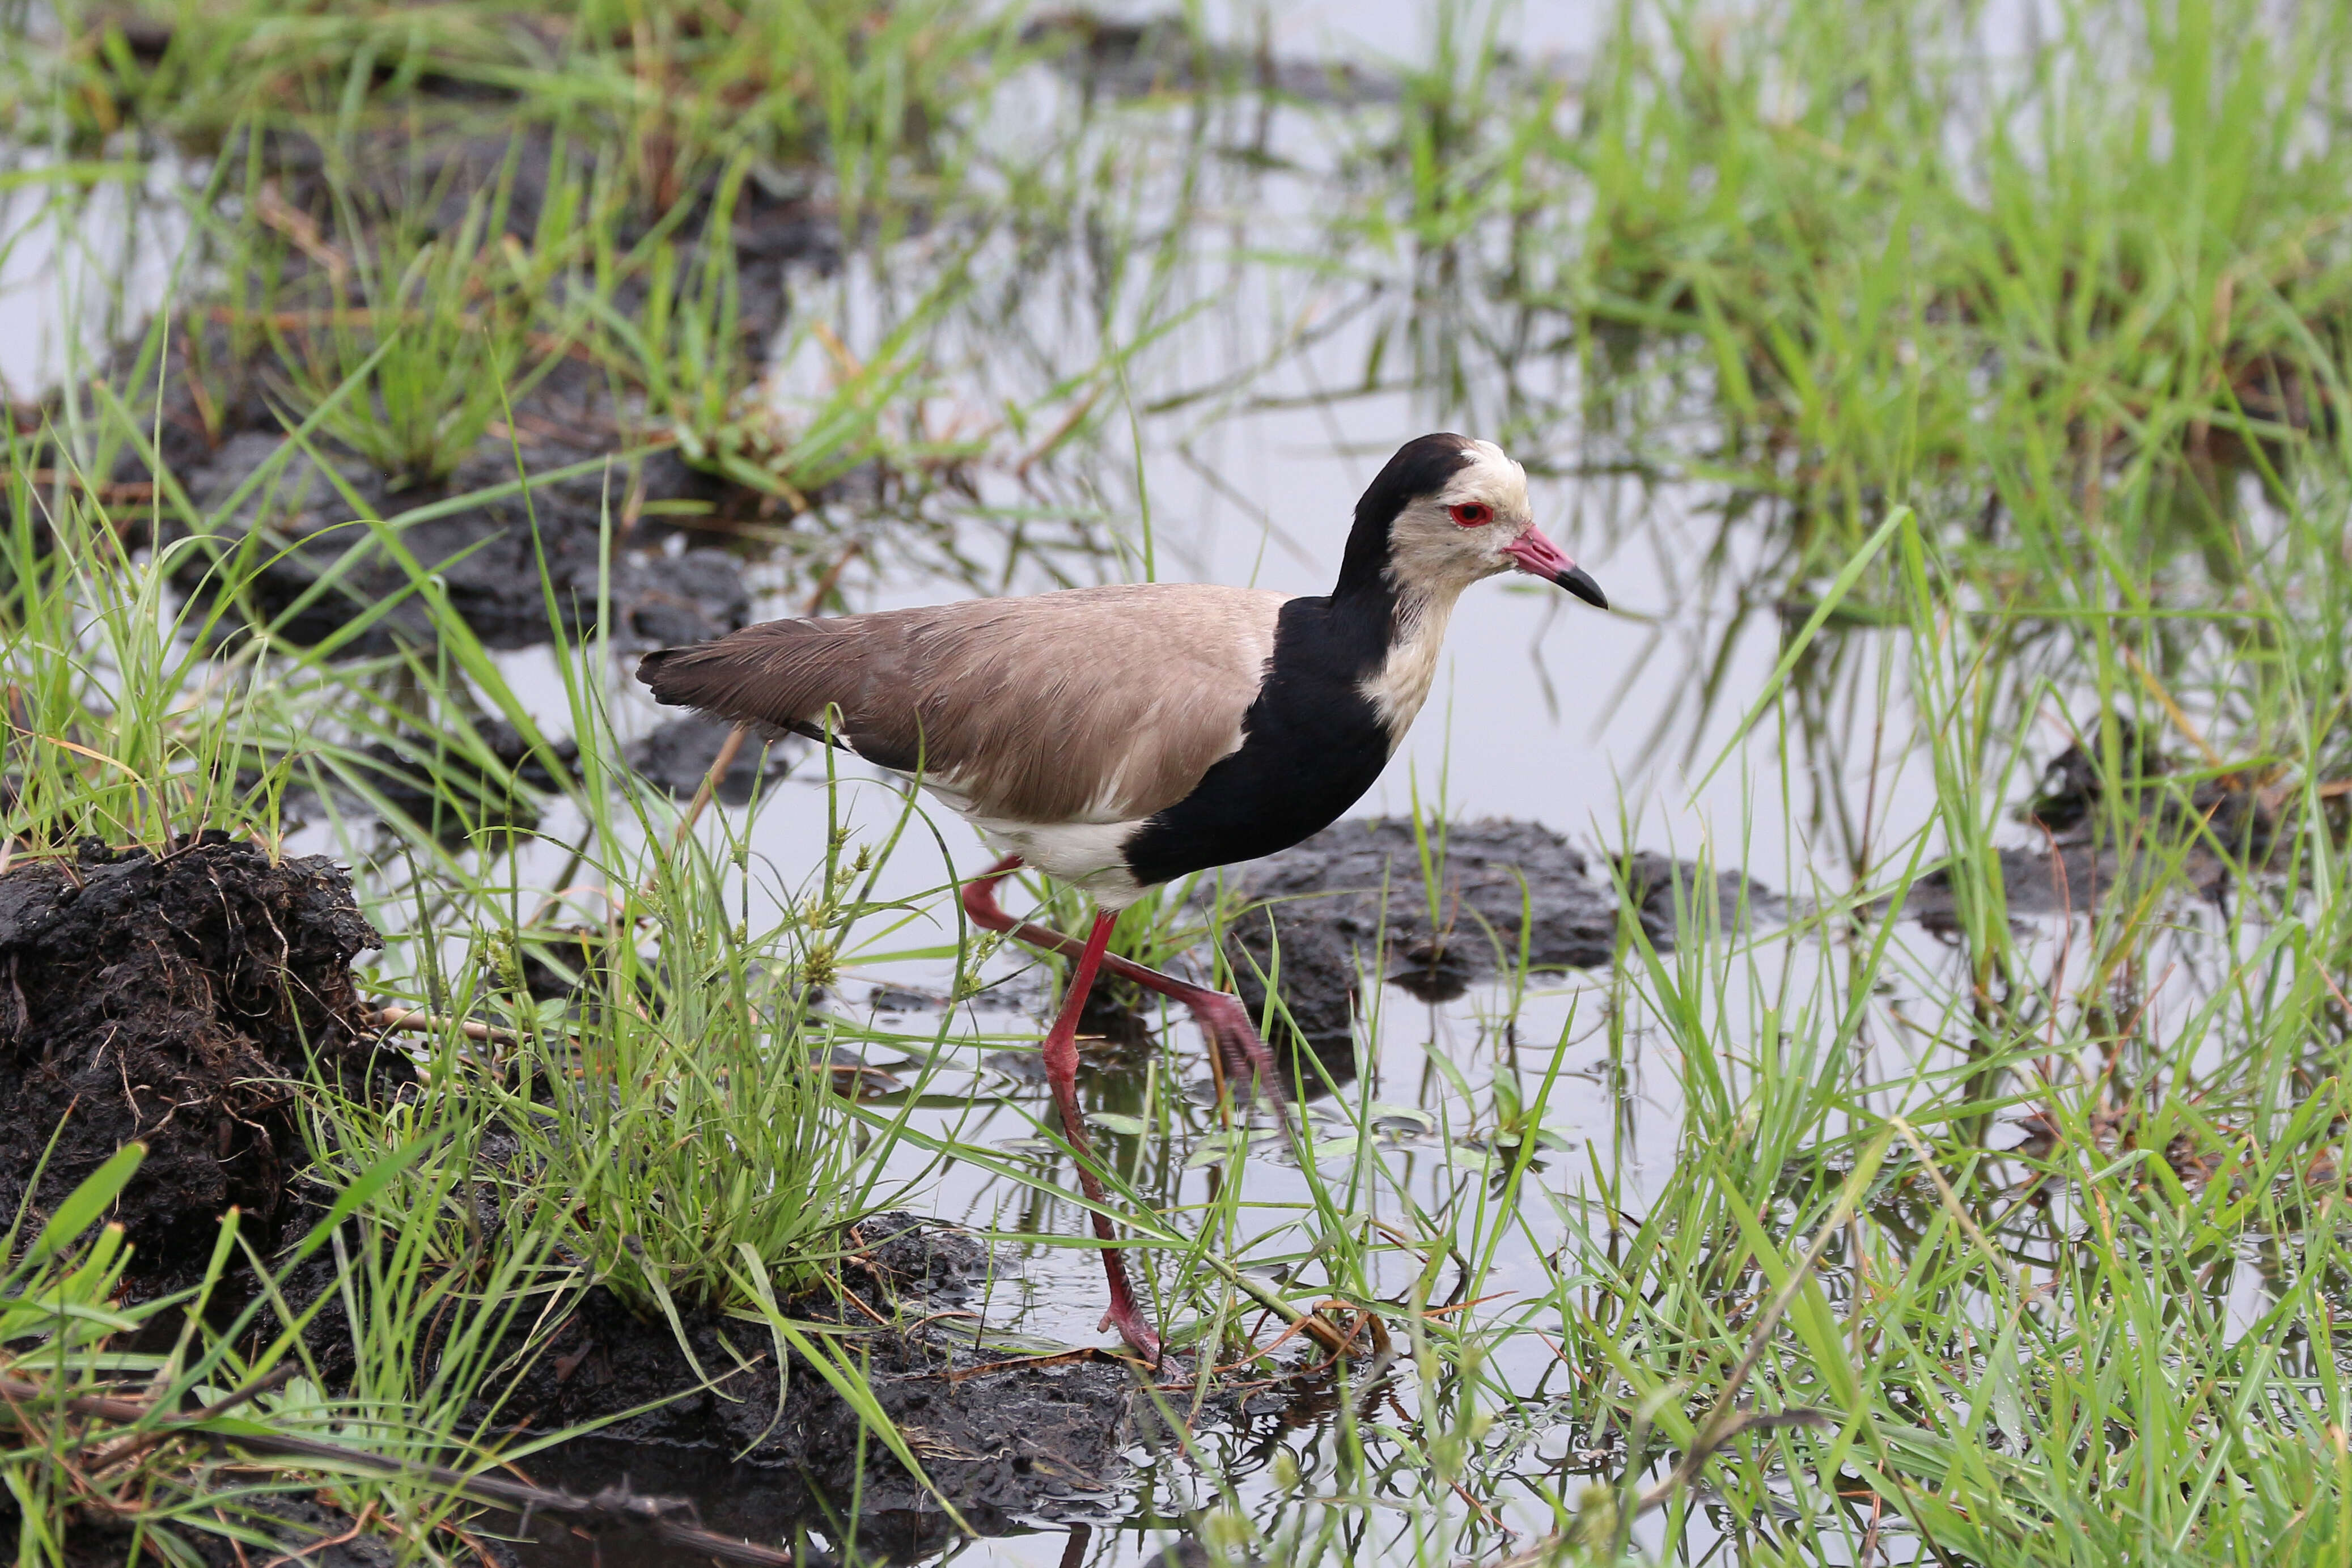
[{"x": 1422, "y": 466}]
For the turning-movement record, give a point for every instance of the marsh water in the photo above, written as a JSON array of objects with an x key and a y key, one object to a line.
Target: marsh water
[
  {"x": 1244, "y": 431},
  {"x": 1266, "y": 353}
]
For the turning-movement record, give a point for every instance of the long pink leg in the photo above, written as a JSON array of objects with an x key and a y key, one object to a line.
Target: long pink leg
[
  {"x": 1220, "y": 1017},
  {"x": 1062, "y": 1074}
]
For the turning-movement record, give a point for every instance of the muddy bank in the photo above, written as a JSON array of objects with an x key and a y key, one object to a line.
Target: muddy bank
[
  {"x": 1005, "y": 1436},
  {"x": 509, "y": 566},
  {"x": 447, "y": 789},
  {"x": 176, "y": 1000},
  {"x": 241, "y": 369},
  {"x": 678, "y": 755},
  {"x": 2140, "y": 828},
  {"x": 305, "y": 1530},
  {"x": 1355, "y": 896},
  {"x": 1130, "y": 58},
  {"x": 514, "y": 550}
]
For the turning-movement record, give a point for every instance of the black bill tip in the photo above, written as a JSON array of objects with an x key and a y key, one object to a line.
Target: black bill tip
[{"x": 1579, "y": 582}]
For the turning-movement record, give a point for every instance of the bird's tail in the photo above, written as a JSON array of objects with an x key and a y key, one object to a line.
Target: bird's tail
[{"x": 779, "y": 676}]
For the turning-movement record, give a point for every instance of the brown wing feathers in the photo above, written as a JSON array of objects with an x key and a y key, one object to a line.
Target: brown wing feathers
[
  {"x": 778, "y": 676},
  {"x": 1104, "y": 704}
]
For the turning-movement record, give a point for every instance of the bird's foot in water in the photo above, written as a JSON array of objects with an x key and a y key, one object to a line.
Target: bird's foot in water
[
  {"x": 1132, "y": 1328},
  {"x": 1233, "y": 1034}
]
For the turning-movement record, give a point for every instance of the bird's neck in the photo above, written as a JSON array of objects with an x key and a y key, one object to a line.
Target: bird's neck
[
  {"x": 1417, "y": 615},
  {"x": 1364, "y": 565}
]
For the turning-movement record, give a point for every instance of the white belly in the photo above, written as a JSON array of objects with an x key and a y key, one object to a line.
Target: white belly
[{"x": 1087, "y": 854}]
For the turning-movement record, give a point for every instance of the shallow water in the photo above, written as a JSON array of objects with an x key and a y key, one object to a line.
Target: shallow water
[
  {"x": 68, "y": 295},
  {"x": 1245, "y": 433},
  {"x": 1544, "y": 710}
]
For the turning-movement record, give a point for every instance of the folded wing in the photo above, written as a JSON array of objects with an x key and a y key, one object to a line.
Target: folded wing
[{"x": 1087, "y": 705}]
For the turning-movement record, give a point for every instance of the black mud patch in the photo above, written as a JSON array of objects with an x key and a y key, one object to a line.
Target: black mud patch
[
  {"x": 2137, "y": 829},
  {"x": 218, "y": 404},
  {"x": 1123, "y": 57},
  {"x": 678, "y": 755},
  {"x": 512, "y": 566},
  {"x": 305, "y": 1530},
  {"x": 177, "y": 1000},
  {"x": 1004, "y": 1438},
  {"x": 448, "y": 790},
  {"x": 1499, "y": 884}
]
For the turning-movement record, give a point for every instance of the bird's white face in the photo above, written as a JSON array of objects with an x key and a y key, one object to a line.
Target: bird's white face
[{"x": 1480, "y": 524}]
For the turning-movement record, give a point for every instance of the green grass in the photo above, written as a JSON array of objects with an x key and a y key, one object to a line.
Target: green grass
[
  {"x": 1856, "y": 252},
  {"x": 119, "y": 1413},
  {"x": 667, "y": 1133},
  {"x": 676, "y": 84},
  {"x": 2015, "y": 380},
  {"x": 421, "y": 343}
]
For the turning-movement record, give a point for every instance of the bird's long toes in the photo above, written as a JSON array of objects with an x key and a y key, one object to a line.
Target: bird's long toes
[{"x": 1236, "y": 1057}]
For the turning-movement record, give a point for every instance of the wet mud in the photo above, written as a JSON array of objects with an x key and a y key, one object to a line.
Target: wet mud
[
  {"x": 512, "y": 566},
  {"x": 176, "y": 1000},
  {"x": 448, "y": 791},
  {"x": 2144, "y": 831},
  {"x": 678, "y": 755},
  {"x": 1003, "y": 1436},
  {"x": 1120, "y": 56},
  {"x": 1354, "y": 898},
  {"x": 221, "y": 413},
  {"x": 305, "y": 1531},
  {"x": 210, "y": 976}
]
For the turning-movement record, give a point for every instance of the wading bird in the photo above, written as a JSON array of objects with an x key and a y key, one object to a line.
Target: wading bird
[{"x": 1119, "y": 738}]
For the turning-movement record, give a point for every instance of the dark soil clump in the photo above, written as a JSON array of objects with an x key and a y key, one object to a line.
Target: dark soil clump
[
  {"x": 422, "y": 776},
  {"x": 1004, "y": 1438},
  {"x": 310, "y": 1532},
  {"x": 504, "y": 564},
  {"x": 2100, "y": 833},
  {"x": 678, "y": 755},
  {"x": 176, "y": 1000},
  {"x": 1131, "y": 59},
  {"x": 1502, "y": 883}
]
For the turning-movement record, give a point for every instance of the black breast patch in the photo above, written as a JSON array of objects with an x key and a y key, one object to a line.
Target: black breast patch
[{"x": 1312, "y": 744}]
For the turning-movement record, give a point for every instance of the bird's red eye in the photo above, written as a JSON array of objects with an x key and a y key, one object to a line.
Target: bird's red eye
[{"x": 1473, "y": 513}]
